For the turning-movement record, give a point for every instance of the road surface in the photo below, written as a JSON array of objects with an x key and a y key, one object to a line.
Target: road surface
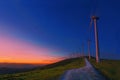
[{"x": 84, "y": 73}]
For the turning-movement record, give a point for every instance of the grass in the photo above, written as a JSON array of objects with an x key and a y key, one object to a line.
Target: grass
[
  {"x": 109, "y": 68},
  {"x": 49, "y": 72}
]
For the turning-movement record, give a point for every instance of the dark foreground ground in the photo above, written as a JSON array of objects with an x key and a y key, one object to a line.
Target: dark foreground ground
[{"x": 109, "y": 68}]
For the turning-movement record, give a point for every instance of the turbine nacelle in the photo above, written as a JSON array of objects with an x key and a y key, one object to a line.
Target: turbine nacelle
[{"x": 95, "y": 17}]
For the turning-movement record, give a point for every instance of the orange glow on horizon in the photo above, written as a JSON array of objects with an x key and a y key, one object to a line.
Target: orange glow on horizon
[
  {"x": 30, "y": 61},
  {"x": 16, "y": 51}
]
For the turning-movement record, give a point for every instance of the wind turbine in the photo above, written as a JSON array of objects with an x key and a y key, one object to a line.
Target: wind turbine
[
  {"x": 89, "y": 56},
  {"x": 83, "y": 55},
  {"x": 94, "y": 20},
  {"x": 89, "y": 40}
]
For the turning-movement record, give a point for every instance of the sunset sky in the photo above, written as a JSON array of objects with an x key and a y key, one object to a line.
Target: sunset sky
[
  {"x": 43, "y": 31},
  {"x": 14, "y": 50}
]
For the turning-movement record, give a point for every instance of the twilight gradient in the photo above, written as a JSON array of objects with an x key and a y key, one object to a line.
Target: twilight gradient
[
  {"x": 13, "y": 50},
  {"x": 41, "y": 31}
]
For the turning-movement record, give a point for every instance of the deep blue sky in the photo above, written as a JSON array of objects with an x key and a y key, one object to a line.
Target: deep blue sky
[{"x": 63, "y": 24}]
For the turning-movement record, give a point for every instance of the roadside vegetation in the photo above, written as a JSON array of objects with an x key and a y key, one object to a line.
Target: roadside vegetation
[
  {"x": 109, "y": 68},
  {"x": 49, "y": 72}
]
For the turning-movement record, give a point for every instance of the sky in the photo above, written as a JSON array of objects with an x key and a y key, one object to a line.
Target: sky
[{"x": 43, "y": 31}]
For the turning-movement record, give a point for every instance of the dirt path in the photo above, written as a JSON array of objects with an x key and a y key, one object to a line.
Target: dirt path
[{"x": 84, "y": 73}]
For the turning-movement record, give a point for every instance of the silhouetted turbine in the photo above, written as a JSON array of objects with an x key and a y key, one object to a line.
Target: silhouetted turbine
[{"x": 95, "y": 18}]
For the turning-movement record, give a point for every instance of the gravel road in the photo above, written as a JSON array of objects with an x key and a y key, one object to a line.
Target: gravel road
[{"x": 85, "y": 73}]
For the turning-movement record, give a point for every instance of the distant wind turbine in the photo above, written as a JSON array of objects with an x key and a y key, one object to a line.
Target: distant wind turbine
[{"x": 89, "y": 50}]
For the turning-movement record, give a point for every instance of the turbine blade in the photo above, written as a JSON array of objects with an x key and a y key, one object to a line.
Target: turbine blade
[{"x": 91, "y": 21}]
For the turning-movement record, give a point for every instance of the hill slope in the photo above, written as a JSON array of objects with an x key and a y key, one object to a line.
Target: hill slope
[
  {"x": 85, "y": 73},
  {"x": 49, "y": 72},
  {"x": 10, "y": 68},
  {"x": 109, "y": 68}
]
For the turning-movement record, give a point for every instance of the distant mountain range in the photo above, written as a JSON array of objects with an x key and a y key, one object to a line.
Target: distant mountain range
[{"x": 8, "y": 68}]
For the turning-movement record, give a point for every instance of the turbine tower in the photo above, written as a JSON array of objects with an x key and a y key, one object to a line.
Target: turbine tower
[
  {"x": 89, "y": 50},
  {"x": 95, "y": 18},
  {"x": 83, "y": 51}
]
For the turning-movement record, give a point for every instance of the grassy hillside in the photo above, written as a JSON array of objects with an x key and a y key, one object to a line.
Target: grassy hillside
[
  {"x": 49, "y": 72},
  {"x": 109, "y": 68}
]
